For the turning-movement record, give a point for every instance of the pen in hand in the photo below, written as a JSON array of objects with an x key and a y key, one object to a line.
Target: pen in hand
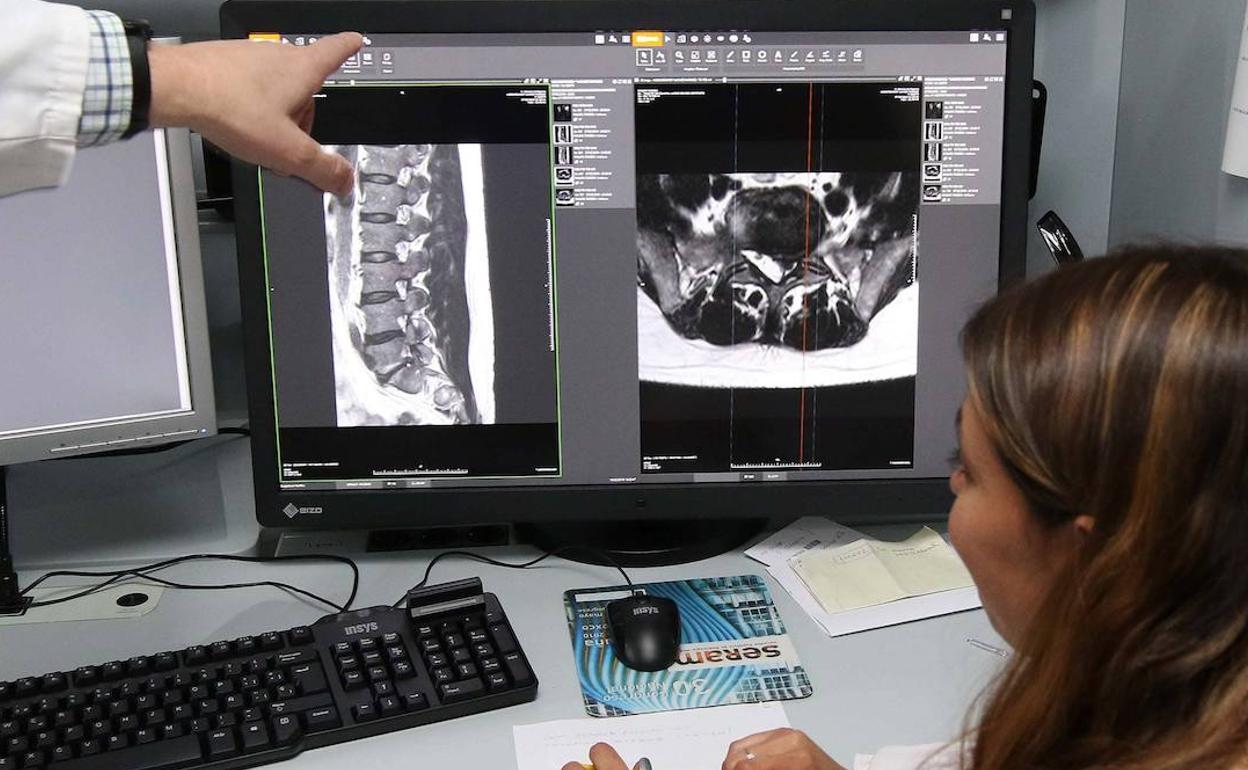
[{"x": 642, "y": 764}]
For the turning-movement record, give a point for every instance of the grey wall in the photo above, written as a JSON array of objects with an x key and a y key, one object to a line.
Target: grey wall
[
  {"x": 1178, "y": 71},
  {"x": 1078, "y": 57}
]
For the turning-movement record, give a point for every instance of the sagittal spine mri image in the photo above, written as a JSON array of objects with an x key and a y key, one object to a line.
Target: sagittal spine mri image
[{"x": 400, "y": 298}]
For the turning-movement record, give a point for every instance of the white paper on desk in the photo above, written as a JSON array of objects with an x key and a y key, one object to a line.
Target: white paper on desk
[
  {"x": 696, "y": 739},
  {"x": 868, "y": 572},
  {"x": 1235, "y": 156},
  {"x": 814, "y": 532}
]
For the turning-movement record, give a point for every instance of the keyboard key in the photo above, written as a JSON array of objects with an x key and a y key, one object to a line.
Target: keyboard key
[
  {"x": 291, "y": 658},
  {"x": 159, "y": 755},
  {"x": 144, "y": 736},
  {"x": 465, "y": 671},
  {"x": 245, "y": 645},
  {"x": 220, "y": 650},
  {"x": 33, "y": 759},
  {"x": 286, "y": 729},
  {"x": 308, "y": 677},
  {"x": 403, "y": 670},
  {"x": 453, "y": 692},
  {"x": 504, "y": 640},
  {"x": 415, "y": 701},
  {"x": 296, "y": 705},
  {"x": 255, "y": 736},
  {"x": 54, "y": 682},
  {"x": 299, "y": 635},
  {"x": 138, "y": 666},
  {"x": 491, "y": 666},
  {"x": 460, "y": 655},
  {"x": 86, "y": 676},
  {"x": 343, "y": 648},
  {"x": 477, "y": 636},
  {"x": 367, "y": 645},
  {"x": 454, "y": 640},
  {"x": 26, "y": 686},
  {"x": 270, "y": 640},
  {"x": 517, "y": 669},
  {"x": 222, "y": 744},
  {"x": 322, "y": 719},
  {"x": 437, "y": 660},
  {"x": 165, "y": 661},
  {"x": 497, "y": 681},
  {"x": 195, "y": 655},
  {"x": 61, "y": 753},
  {"x": 388, "y": 705},
  {"x": 117, "y": 741},
  {"x": 364, "y": 712}
]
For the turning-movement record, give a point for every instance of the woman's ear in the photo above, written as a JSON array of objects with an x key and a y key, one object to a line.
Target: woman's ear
[{"x": 1084, "y": 525}]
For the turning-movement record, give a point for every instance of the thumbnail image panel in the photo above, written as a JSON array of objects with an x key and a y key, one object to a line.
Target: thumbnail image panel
[
  {"x": 777, "y": 235},
  {"x": 411, "y": 303}
]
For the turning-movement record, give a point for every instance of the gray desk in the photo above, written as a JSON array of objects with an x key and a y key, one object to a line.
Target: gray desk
[{"x": 907, "y": 684}]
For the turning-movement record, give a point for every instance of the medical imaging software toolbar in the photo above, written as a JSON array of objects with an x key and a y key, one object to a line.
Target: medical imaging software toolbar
[{"x": 635, "y": 257}]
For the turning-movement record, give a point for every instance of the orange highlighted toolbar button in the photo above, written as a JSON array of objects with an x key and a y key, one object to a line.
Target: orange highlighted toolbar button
[{"x": 647, "y": 39}]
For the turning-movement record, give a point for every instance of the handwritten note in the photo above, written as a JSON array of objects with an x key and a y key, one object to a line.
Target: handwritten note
[
  {"x": 675, "y": 740},
  {"x": 1235, "y": 156}
]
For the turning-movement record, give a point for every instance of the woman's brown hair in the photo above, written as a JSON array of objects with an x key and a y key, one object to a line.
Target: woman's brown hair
[{"x": 1118, "y": 389}]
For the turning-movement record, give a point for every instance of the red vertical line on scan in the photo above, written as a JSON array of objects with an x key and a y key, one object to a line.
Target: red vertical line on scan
[{"x": 810, "y": 132}]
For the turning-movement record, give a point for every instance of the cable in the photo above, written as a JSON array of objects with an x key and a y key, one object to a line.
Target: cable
[
  {"x": 523, "y": 565},
  {"x": 115, "y": 576}
]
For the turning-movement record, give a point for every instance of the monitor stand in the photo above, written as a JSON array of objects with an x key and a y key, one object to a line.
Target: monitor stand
[
  {"x": 11, "y": 600},
  {"x": 641, "y": 543}
]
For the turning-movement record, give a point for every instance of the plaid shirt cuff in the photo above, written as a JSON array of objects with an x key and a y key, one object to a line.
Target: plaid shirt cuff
[{"x": 107, "y": 100}]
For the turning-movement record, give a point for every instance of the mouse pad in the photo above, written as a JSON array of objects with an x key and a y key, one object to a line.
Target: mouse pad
[{"x": 734, "y": 649}]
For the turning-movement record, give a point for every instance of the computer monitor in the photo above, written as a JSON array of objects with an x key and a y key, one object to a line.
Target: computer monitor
[
  {"x": 103, "y": 328},
  {"x": 630, "y": 261}
]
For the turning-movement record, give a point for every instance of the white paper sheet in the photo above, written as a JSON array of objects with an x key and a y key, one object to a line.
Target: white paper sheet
[
  {"x": 1235, "y": 156},
  {"x": 674, "y": 740},
  {"x": 816, "y": 532}
]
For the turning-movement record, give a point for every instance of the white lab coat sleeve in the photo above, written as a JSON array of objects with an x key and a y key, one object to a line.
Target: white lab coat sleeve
[{"x": 44, "y": 51}]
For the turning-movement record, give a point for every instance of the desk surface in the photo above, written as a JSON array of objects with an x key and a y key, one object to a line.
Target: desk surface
[{"x": 906, "y": 684}]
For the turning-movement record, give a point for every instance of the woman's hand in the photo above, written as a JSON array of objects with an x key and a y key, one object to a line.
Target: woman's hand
[
  {"x": 783, "y": 749},
  {"x": 603, "y": 757}
]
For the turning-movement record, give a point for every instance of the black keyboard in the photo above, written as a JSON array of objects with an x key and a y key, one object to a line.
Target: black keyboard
[{"x": 265, "y": 698}]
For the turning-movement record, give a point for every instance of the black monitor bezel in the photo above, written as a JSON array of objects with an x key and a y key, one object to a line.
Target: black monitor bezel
[{"x": 851, "y": 499}]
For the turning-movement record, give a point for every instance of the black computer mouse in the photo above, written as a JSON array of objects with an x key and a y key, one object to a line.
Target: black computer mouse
[{"x": 644, "y": 631}]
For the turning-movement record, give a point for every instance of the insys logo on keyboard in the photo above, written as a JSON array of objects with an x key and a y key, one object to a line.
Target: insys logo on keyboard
[{"x": 361, "y": 628}]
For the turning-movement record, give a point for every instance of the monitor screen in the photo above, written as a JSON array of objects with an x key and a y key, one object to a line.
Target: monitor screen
[
  {"x": 650, "y": 258},
  {"x": 102, "y": 325}
]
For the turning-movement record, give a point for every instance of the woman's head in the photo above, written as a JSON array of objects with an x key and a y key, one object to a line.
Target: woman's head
[{"x": 1111, "y": 397}]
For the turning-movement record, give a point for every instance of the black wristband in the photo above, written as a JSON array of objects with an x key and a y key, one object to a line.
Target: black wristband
[{"x": 138, "y": 33}]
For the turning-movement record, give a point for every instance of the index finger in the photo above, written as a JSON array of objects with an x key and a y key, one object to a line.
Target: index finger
[{"x": 606, "y": 758}]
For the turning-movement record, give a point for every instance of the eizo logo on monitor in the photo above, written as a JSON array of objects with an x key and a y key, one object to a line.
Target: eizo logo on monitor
[{"x": 291, "y": 510}]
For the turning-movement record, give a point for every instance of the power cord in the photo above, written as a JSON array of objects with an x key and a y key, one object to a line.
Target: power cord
[
  {"x": 144, "y": 572},
  {"x": 522, "y": 565}
]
